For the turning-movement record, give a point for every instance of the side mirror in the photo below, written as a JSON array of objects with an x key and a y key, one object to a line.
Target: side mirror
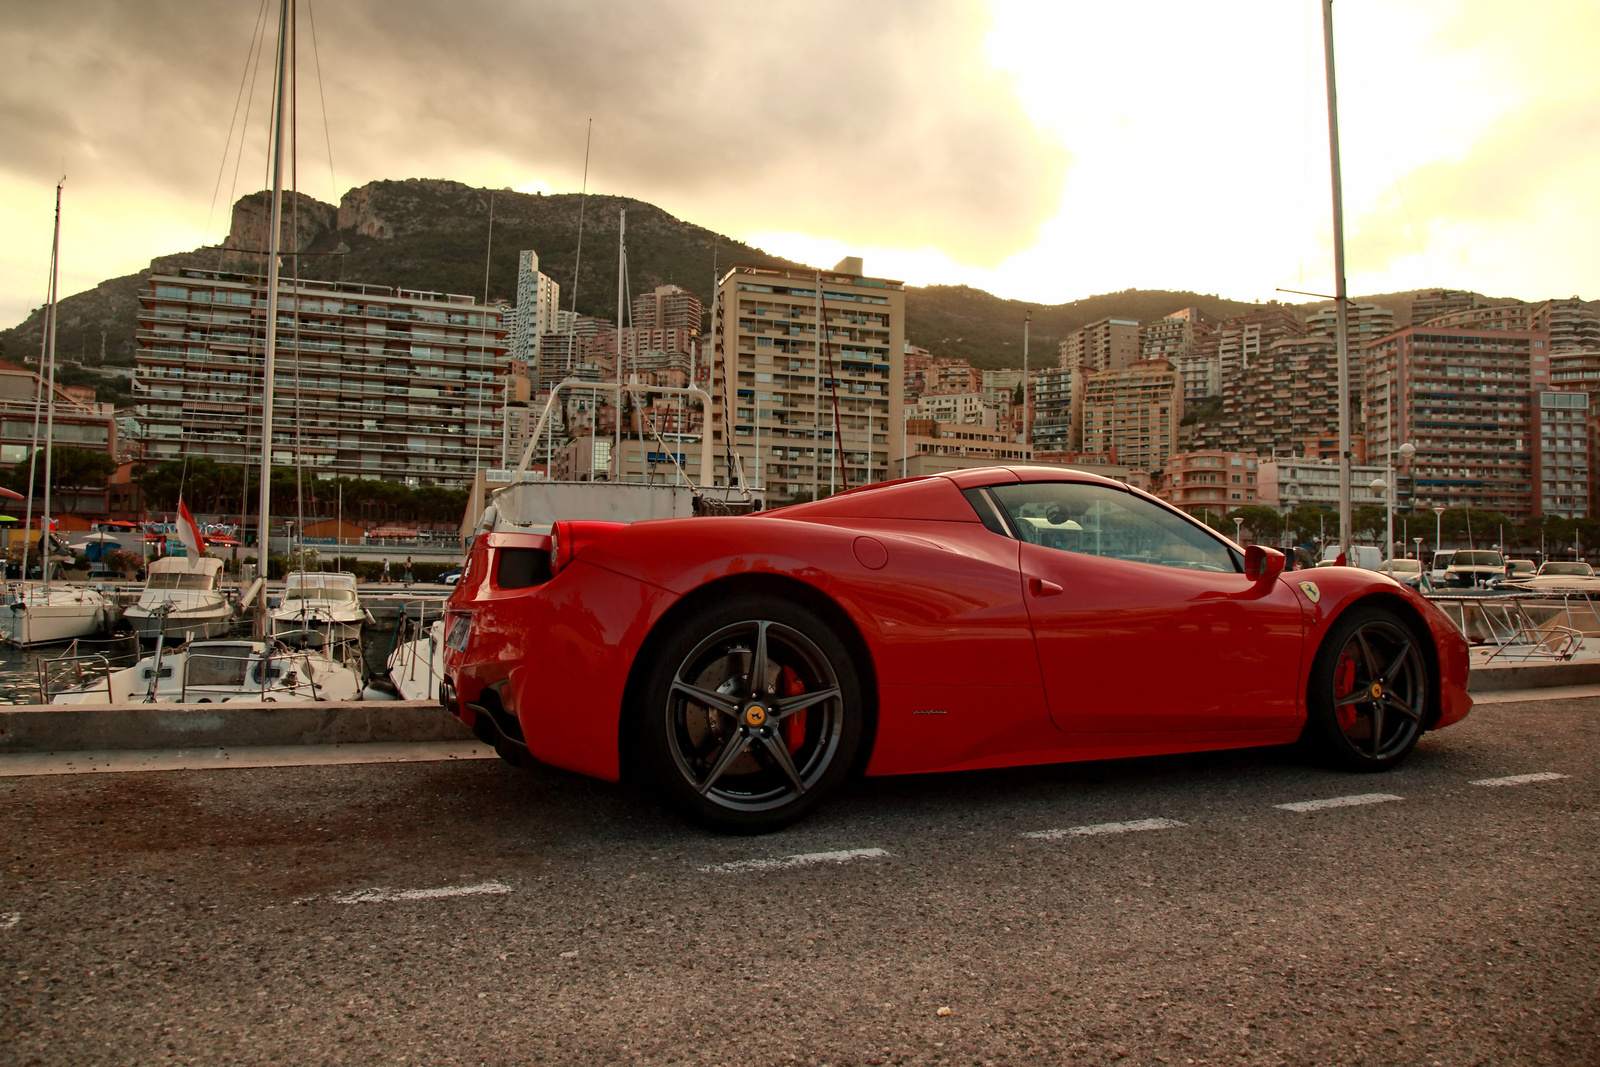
[{"x": 1262, "y": 565}]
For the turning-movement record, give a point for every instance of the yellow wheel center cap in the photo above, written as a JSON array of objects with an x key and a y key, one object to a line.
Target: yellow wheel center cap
[
  {"x": 1377, "y": 690},
  {"x": 755, "y": 715}
]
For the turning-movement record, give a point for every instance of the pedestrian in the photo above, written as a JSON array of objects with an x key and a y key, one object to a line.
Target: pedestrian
[
  {"x": 386, "y": 580},
  {"x": 408, "y": 572}
]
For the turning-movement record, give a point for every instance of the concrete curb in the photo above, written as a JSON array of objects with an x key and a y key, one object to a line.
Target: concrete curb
[
  {"x": 1531, "y": 676},
  {"x": 36, "y": 728}
]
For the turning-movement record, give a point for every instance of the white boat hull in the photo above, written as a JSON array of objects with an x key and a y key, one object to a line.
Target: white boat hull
[
  {"x": 190, "y": 676},
  {"x": 37, "y": 618},
  {"x": 187, "y": 626}
]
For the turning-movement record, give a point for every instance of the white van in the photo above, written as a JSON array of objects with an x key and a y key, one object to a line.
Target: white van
[
  {"x": 1441, "y": 564},
  {"x": 1368, "y": 556}
]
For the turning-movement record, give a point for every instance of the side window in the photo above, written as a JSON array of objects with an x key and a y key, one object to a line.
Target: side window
[{"x": 1100, "y": 521}]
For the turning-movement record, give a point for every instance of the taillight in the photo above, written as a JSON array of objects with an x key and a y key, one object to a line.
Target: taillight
[{"x": 567, "y": 539}]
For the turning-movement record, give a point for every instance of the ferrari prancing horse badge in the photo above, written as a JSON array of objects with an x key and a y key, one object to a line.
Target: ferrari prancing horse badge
[{"x": 1311, "y": 591}]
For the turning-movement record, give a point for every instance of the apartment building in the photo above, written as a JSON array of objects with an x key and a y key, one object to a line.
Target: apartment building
[
  {"x": 949, "y": 375},
  {"x": 371, "y": 381},
  {"x": 1428, "y": 306},
  {"x": 1134, "y": 411},
  {"x": 80, "y": 422},
  {"x": 1211, "y": 480},
  {"x": 1469, "y": 401},
  {"x": 1050, "y": 421},
  {"x": 668, "y": 307},
  {"x": 970, "y": 409},
  {"x": 538, "y": 299},
  {"x": 933, "y": 446},
  {"x": 918, "y": 360},
  {"x": 1287, "y": 484},
  {"x": 1562, "y": 456},
  {"x": 1106, "y": 344},
  {"x": 1175, "y": 339},
  {"x": 800, "y": 400}
]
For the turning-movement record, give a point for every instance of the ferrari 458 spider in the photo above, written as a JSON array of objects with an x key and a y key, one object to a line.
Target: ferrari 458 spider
[{"x": 742, "y": 667}]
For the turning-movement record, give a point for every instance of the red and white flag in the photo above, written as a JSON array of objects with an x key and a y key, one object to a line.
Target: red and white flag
[{"x": 194, "y": 542}]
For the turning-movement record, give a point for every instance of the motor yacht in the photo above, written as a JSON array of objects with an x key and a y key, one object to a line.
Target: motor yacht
[
  {"x": 43, "y": 613},
  {"x": 182, "y": 599},
  {"x": 321, "y": 602},
  {"x": 225, "y": 672}
]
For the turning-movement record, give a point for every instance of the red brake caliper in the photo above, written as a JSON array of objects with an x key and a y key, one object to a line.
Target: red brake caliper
[
  {"x": 794, "y": 727},
  {"x": 1344, "y": 683}
]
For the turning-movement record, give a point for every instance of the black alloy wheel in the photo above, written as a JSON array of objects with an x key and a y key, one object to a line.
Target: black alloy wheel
[
  {"x": 751, "y": 717},
  {"x": 1368, "y": 692}
]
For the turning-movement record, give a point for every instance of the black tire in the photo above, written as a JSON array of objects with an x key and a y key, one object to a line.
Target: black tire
[
  {"x": 1368, "y": 694},
  {"x": 744, "y": 757}
]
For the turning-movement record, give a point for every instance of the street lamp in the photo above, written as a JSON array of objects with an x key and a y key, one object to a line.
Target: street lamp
[
  {"x": 1406, "y": 451},
  {"x": 1238, "y": 531},
  {"x": 1438, "y": 527},
  {"x": 1418, "y": 540}
]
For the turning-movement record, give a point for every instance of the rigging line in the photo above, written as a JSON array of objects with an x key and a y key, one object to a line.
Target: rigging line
[
  {"x": 294, "y": 229},
  {"x": 244, "y": 129},
  {"x": 1305, "y": 135},
  {"x": 483, "y": 342},
  {"x": 38, "y": 401},
  {"x": 577, "y": 261},
  {"x": 833, "y": 384},
  {"x": 222, "y": 166},
  {"x": 327, "y": 135}
]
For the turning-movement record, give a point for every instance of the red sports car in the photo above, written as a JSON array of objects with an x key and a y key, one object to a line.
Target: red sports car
[{"x": 742, "y": 667}]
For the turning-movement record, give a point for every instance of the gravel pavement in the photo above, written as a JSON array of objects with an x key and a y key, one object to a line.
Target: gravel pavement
[{"x": 1159, "y": 911}]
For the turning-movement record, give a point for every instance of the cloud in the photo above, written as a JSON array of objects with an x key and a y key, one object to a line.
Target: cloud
[{"x": 880, "y": 121}]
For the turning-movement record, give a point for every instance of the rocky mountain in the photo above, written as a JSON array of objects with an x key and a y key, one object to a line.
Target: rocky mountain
[{"x": 434, "y": 235}]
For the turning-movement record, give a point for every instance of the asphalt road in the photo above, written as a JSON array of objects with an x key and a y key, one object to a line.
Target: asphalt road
[{"x": 273, "y": 916}]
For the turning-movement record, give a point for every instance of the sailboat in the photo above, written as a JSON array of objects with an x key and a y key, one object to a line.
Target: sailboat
[{"x": 51, "y": 611}]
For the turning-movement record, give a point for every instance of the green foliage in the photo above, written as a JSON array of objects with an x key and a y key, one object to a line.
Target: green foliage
[
  {"x": 219, "y": 489},
  {"x": 1207, "y": 410},
  {"x": 70, "y": 468},
  {"x": 1264, "y": 523},
  {"x": 122, "y": 561},
  {"x": 1308, "y": 521}
]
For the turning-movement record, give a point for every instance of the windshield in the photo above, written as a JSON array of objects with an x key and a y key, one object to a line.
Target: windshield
[
  {"x": 1581, "y": 570},
  {"x": 1404, "y": 566},
  {"x": 171, "y": 580},
  {"x": 225, "y": 666},
  {"x": 314, "y": 593},
  {"x": 1477, "y": 559}
]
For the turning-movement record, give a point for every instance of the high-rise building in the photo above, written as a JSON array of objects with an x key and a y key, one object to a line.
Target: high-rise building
[
  {"x": 1210, "y": 480},
  {"x": 1106, "y": 344},
  {"x": 667, "y": 307},
  {"x": 949, "y": 375},
  {"x": 957, "y": 409},
  {"x": 1133, "y": 412},
  {"x": 391, "y": 383},
  {"x": 1570, "y": 323},
  {"x": 1173, "y": 339},
  {"x": 538, "y": 297},
  {"x": 1050, "y": 421},
  {"x": 1469, "y": 401},
  {"x": 918, "y": 360},
  {"x": 1429, "y": 305},
  {"x": 1562, "y": 457},
  {"x": 797, "y": 400}
]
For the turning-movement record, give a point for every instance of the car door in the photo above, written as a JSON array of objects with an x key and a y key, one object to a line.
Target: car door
[{"x": 1143, "y": 619}]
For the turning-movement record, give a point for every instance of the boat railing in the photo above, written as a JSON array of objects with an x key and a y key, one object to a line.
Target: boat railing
[
  {"x": 78, "y": 669},
  {"x": 412, "y": 626},
  {"x": 260, "y": 681},
  {"x": 1522, "y": 625}
]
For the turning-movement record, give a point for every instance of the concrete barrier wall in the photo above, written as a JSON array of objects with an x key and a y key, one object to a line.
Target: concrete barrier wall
[{"x": 33, "y": 728}]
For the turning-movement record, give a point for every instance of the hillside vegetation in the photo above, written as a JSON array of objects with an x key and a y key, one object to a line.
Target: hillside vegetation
[{"x": 432, "y": 235}]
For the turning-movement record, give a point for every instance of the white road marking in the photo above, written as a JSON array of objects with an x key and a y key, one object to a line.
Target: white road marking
[
  {"x": 1338, "y": 802},
  {"x": 1107, "y": 828},
  {"x": 10, "y": 919},
  {"x": 206, "y": 759},
  {"x": 805, "y": 859},
  {"x": 1520, "y": 779},
  {"x": 379, "y": 896}
]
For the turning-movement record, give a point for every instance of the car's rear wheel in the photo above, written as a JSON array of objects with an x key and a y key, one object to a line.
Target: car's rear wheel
[
  {"x": 1368, "y": 692},
  {"x": 750, "y": 717}
]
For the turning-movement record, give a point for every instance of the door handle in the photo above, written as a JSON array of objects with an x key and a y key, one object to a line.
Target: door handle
[{"x": 1040, "y": 587}]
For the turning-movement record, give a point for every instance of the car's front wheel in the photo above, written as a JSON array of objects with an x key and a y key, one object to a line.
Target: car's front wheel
[
  {"x": 1368, "y": 692},
  {"x": 750, "y": 717}
]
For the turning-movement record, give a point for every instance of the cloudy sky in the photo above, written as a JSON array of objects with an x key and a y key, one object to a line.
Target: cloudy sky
[{"x": 1041, "y": 149}]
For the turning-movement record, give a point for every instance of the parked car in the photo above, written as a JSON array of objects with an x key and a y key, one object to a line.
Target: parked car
[
  {"x": 741, "y": 668},
  {"x": 1440, "y": 565},
  {"x": 451, "y": 577},
  {"x": 1369, "y": 557},
  {"x": 1472, "y": 568},
  {"x": 1523, "y": 568},
  {"x": 1407, "y": 571},
  {"x": 1557, "y": 569}
]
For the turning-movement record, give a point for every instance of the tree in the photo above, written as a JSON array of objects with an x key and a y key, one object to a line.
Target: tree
[
  {"x": 1264, "y": 523},
  {"x": 1308, "y": 522},
  {"x": 70, "y": 468},
  {"x": 1367, "y": 519}
]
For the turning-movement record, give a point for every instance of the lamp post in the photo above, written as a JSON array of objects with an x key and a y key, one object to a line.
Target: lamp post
[
  {"x": 1418, "y": 540},
  {"x": 1238, "y": 531},
  {"x": 1388, "y": 487},
  {"x": 1438, "y": 528}
]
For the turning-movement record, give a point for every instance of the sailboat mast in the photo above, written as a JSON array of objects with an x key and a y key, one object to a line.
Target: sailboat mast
[
  {"x": 622, "y": 267},
  {"x": 50, "y": 391},
  {"x": 1341, "y": 309},
  {"x": 269, "y": 364}
]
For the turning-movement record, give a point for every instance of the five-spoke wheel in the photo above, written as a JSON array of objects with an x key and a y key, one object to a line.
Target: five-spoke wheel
[
  {"x": 1369, "y": 691},
  {"x": 752, "y": 714}
]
